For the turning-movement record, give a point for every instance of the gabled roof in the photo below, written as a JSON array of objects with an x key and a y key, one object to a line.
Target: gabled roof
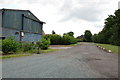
[{"x": 22, "y": 10}]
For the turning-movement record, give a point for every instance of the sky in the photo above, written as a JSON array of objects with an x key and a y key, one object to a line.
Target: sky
[{"x": 63, "y": 16}]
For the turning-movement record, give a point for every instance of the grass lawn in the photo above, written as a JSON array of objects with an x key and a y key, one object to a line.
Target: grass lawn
[
  {"x": 28, "y": 53},
  {"x": 113, "y": 48}
]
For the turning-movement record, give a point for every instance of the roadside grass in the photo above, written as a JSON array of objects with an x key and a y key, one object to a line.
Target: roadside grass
[
  {"x": 28, "y": 53},
  {"x": 13, "y": 55},
  {"x": 20, "y": 52},
  {"x": 48, "y": 50},
  {"x": 113, "y": 48}
]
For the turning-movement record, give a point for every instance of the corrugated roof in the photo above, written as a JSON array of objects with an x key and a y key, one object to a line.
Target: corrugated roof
[{"x": 23, "y": 10}]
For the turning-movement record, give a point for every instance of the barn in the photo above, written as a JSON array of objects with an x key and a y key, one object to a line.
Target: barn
[{"x": 23, "y": 25}]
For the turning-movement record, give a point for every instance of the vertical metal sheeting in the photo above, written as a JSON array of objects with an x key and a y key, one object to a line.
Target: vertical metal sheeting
[
  {"x": 1, "y": 18},
  {"x": 13, "y": 20}
]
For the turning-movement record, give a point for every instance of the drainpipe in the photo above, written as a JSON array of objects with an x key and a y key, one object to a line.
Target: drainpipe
[{"x": 22, "y": 28}]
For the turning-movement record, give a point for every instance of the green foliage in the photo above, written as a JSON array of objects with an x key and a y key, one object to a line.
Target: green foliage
[
  {"x": 79, "y": 40},
  {"x": 48, "y": 36},
  {"x": 53, "y": 32},
  {"x": 55, "y": 39},
  {"x": 9, "y": 45},
  {"x": 44, "y": 43},
  {"x": 111, "y": 31},
  {"x": 113, "y": 48},
  {"x": 70, "y": 34},
  {"x": 73, "y": 40},
  {"x": 95, "y": 38},
  {"x": 27, "y": 46},
  {"x": 67, "y": 40},
  {"x": 87, "y": 36},
  {"x": 0, "y": 45}
]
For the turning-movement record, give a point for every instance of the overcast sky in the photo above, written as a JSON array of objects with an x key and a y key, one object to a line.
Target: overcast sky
[{"x": 67, "y": 15}]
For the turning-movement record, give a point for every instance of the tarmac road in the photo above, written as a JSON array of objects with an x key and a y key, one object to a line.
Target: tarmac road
[{"x": 81, "y": 61}]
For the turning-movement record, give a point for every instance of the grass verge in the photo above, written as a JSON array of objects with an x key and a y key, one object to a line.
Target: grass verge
[
  {"x": 48, "y": 50},
  {"x": 113, "y": 48},
  {"x": 28, "y": 53},
  {"x": 13, "y": 55}
]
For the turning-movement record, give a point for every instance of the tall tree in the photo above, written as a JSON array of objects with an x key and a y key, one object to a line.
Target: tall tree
[
  {"x": 111, "y": 31},
  {"x": 53, "y": 32},
  {"x": 88, "y": 36},
  {"x": 70, "y": 34}
]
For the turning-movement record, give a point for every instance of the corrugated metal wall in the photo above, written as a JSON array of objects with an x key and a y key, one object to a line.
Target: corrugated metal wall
[
  {"x": 31, "y": 37},
  {"x": 0, "y": 18},
  {"x": 28, "y": 37},
  {"x": 13, "y": 19},
  {"x": 32, "y": 26},
  {"x": 9, "y": 32},
  {"x": 0, "y": 23}
]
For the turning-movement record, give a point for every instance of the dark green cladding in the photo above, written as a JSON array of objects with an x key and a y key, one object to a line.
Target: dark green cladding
[{"x": 13, "y": 19}]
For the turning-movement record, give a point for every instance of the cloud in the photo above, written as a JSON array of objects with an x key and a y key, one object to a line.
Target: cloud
[
  {"x": 67, "y": 15},
  {"x": 85, "y": 10}
]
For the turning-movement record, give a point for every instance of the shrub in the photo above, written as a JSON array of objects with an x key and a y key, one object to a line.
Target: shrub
[
  {"x": 27, "y": 46},
  {"x": 48, "y": 36},
  {"x": 55, "y": 39},
  {"x": 0, "y": 45},
  {"x": 66, "y": 40},
  {"x": 9, "y": 45},
  {"x": 44, "y": 43},
  {"x": 79, "y": 40},
  {"x": 73, "y": 40}
]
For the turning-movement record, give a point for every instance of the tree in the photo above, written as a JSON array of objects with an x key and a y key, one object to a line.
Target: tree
[
  {"x": 70, "y": 34},
  {"x": 115, "y": 37},
  {"x": 87, "y": 36},
  {"x": 53, "y": 32},
  {"x": 95, "y": 38},
  {"x": 111, "y": 31}
]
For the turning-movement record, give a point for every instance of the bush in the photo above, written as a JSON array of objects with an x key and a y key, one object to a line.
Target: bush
[
  {"x": 9, "y": 45},
  {"x": 48, "y": 36},
  {"x": 44, "y": 43},
  {"x": 67, "y": 40},
  {"x": 27, "y": 46},
  {"x": 73, "y": 40},
  {"x": 55, "y": 39},
  {"x": 0, "y": 45},
  {"x": 79, "y": 40}
]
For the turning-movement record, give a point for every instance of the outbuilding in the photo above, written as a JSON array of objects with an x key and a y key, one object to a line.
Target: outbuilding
[{"x": 23, "y": 25}]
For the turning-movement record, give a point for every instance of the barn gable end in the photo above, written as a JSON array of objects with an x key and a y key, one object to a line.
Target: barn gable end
[{"x": 16, "y": 21}]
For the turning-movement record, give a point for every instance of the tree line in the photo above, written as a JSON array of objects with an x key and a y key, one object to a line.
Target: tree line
[{"x": 110, "y": 34}]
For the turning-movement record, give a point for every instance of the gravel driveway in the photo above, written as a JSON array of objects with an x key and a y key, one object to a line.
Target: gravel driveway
[{"x": 81, "y": 61}]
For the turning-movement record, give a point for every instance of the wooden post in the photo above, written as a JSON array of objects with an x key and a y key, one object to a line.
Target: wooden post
[
  {"x": 20, "y": 36},
  {"x": 22, "y": 28}
]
